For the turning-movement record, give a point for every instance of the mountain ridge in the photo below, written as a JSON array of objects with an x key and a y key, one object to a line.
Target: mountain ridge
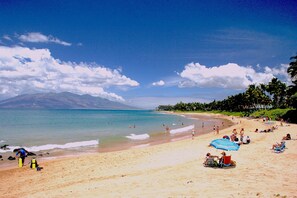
[{"x": 63, "y": 100}]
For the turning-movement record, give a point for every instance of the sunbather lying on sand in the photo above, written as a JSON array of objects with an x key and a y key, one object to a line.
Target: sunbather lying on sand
[{"x": 287, "y": 137}]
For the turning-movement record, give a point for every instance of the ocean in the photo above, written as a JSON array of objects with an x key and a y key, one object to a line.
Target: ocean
[{"x": 93, "y": 130}]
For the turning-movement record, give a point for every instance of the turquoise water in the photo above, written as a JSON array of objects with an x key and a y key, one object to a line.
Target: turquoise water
[{"x": 39, "y": 130}]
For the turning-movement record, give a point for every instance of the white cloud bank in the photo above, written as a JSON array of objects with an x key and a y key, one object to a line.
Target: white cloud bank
[
  {"x": 24, "y": 70},
  {"x": 231, "y": 75},
  {"x": 159, "y": 83},
  {"x": 37, "y": 37}
]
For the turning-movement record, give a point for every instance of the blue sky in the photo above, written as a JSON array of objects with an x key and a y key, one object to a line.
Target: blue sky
[{"x": 144, "y": 53}]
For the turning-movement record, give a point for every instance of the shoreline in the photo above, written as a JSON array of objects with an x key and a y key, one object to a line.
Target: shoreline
[
  {"x": 155, "y": 139},
  {"x": 168, "y": 170}
]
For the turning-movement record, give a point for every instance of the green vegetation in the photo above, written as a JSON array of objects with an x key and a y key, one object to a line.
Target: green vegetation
[
  {"x": 274, "y": 114},
  {"x": 274, "y": 100}
]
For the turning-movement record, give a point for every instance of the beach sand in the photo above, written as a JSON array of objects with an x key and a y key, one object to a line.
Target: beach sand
[{"x": 167, "y": 170}]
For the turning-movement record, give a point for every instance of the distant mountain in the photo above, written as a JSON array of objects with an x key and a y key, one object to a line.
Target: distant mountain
[{"x": 63, "y": 100}]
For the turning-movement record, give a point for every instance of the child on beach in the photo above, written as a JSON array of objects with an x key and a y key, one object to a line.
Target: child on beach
[{"x": 193, "y": 134}]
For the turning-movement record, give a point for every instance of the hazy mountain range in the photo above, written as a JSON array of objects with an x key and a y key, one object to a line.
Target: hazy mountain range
[{"x": 63, "y": 100}]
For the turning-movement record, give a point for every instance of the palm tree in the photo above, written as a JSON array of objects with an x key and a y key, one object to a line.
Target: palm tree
[
  {"x": 292, "y": 69},
  {"x": 292, "y": 91},
  {"x": 278, "y": 92}
]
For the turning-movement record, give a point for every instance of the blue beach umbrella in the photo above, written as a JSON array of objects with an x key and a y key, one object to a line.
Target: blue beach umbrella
[{"x": 224, "y": 144}]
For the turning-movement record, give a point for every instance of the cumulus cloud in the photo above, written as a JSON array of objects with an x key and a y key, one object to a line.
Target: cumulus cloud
[
  {"x": 231, "y": 75},
  {"x": 37, "y": 37},
  {"x": 159, "y": 83},
  {"x": 25, "y": 70},
  {"x": 281, "y": 71}
]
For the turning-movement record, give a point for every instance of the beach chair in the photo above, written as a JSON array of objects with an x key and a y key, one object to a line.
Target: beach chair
[
  {"x": 281, "y": 148},
  {"x": 226, "y": 162}
]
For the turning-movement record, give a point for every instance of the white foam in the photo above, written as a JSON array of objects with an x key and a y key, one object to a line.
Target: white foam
[
  {"x": 138, "y": 137},
  {"x": 141, "y": 146},
  {"x": 54, "y": 146},
  {"x": 1, "y": 141},
  {"x": 181, "y": 130}
]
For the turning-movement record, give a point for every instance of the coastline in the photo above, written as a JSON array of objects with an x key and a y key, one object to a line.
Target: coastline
[
  {"x": 158, "y": 137},
  {"x": 168, "y": 170}
]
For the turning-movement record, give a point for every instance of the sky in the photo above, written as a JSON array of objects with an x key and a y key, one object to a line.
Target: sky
[{"x": 144, "y": 53}]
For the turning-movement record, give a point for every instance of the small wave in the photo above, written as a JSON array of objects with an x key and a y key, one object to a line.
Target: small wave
[
  {"x": 181, "y": 130},
  {"x": 2, "y": 141},
  {"x": 53, "y": 146},
  {"x": 141, "y": 146},
  {"x": 138, "y": 137}
]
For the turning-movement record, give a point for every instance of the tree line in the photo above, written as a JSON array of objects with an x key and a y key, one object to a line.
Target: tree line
[{"x": 273, "y": 95}]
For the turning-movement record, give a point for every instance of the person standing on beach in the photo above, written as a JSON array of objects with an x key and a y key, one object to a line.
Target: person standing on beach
[
  {"x": 234, "y": 132},
  {"x": 218, "y": 130},
  {"x": 214, "y": 129},
  {"x": 23, "y": 154},
  {"x": 167, "y": 129},
  {"x": 241, "y": 133},
  {"x": 193, "y": 134}
]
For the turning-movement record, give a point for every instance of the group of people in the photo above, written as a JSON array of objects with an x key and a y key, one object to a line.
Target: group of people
[
  {"x": 282, "y": 143},
  {"x": 238, "y": 138},
  {"x": 216, "y": 161},
  {"x": 216, "y": 129},
  {"x": 267, "y": 130}
]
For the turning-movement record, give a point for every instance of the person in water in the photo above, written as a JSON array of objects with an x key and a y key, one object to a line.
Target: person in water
[{"x": 23, "y": 154}]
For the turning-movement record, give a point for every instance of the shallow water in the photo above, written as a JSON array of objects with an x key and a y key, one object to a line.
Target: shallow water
[{"x": 76, "y": 131}]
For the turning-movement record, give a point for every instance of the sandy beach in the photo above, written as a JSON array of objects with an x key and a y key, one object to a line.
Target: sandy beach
[{"x": 167, "y": 170}]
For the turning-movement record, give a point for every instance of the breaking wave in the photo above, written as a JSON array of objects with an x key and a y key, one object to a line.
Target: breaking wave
[
  {"x": 138, "y": 137},
  {"x": 53, "y": 146},
  {"x": 181, "y": 130}
]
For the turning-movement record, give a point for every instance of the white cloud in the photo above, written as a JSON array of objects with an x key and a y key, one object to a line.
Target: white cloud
[
  {"x": 37, "y": 37},
  {"x": 25, "y": 70},
  {"x": 231, "y": 75},
  {"x": 281, "y": 71},
  {"x": 6, "y": 37},
  {"x": 159, "y": 83}
]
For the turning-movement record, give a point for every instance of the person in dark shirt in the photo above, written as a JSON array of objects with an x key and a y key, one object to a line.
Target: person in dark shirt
[{"x": 23, "y": 154}]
